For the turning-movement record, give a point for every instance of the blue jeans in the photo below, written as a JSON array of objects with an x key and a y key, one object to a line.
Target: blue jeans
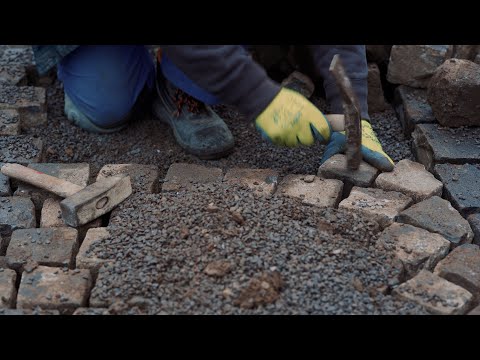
[{"x": 104, "y": 81}]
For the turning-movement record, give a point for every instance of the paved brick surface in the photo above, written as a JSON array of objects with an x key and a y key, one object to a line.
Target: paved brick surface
[
  {"x": 49, "y": 247},
  {"x": 412, "y": 107},
  {"x": 261, "y": 181},
  {"x": 143, "y": 177},
  {"x": 415, "y": 248},
  {"x": 437, "y": 215},
  {"x": 461, "y": 186},
  {"x": 23, "y": 312},
  {"x": 412, "y": 179},
  {"x": 52, "y": 288},
  {"x": 462, "y": 267},
  {"x": 436, "y": 294},
  {"x": 435, "y": 145},
  {"x": 8, "y": 292},
  {"x": 379, "y": 205},
  {"x": 312, "y": 190},
  {"x": 181, "y": 176}
]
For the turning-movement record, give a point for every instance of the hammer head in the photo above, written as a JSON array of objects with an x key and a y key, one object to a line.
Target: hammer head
[{"x": 95, "y": 200}]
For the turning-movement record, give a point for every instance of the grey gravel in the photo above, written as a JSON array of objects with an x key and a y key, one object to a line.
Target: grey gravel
[{"x": 315, "y": 252}]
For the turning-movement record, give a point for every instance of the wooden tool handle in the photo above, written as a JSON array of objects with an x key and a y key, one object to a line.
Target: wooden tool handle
[{"x": 52, "y": 184}]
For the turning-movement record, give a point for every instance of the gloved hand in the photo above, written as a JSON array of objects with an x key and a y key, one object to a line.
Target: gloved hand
[
  {"x": 290, "y": 119},
  {"x": 371, "y": 148}
]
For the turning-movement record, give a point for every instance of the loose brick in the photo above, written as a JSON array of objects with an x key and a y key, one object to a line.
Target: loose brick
[
  {"x": 462, "y": 267},
  {"x": 412, "y": 179},
  {"x": 30, "y": 102},
  {"x": 376, "y": 204},
  {"x": 376, "y": 99},
  {"x": 181, "y": 176},
  {"x": 415, "y": 248},
  {"x": 8, "y": 292},
  {"x": 437, "y": 295},
  {"x": 21, "y": 149},
  {"x": 438, "y": 216},
  {"x": 474, "y": 220},
  {"x": 75, "y": 173},
  {"x": 52, "y": 288},
  {"x": 319, "y": 192},
  {"x": 461, "y": 186},
  {"x": 336, "y": 168},
  {"x": 260, "y": 181},
  {"x": 413, "y": 65},
  {"x": 54, "y": 247},
  {"x": 15, "y": 213},
  {"x": 9, "y": 122},
  {"x": 454, "y": 93},
  {"x": 5, "y": 189},
  {"x": 412, "y": 108},
  {"x": 143, "y": 177},
  {"x": 435, "y": 145},
  {"x": 86, "y": 258}
]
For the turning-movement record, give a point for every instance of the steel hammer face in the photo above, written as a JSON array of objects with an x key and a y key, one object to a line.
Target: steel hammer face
[{"x": 95, "y": 200}]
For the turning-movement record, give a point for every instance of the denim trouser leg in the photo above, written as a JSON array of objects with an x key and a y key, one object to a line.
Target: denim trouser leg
[{"x": 104, "y": 81}]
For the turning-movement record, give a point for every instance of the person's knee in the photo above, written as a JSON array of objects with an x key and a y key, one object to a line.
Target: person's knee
[{"x": 104, "y": 82}]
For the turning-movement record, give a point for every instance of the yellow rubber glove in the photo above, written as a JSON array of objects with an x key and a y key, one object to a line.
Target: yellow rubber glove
[
  {"x": 372, "y": 150},
  {"x": 290, "y": 119}
]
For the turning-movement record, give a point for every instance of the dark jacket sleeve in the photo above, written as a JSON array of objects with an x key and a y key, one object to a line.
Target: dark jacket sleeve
[
  {"x": 228, "y": 72},
  {"x": 47, "y": 56},
  {"x": 355, "y": 62}
]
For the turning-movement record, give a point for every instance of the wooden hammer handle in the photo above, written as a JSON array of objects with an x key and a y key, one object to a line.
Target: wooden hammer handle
[{"x": 52, "y": 184}]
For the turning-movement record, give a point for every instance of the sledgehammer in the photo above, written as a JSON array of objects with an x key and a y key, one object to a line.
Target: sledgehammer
[{"x": 81, "y": 204}]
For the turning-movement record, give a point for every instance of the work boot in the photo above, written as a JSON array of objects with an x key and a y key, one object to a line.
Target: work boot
[
  {"x": 81, "y": 120},
  {"x": 196, "y": 127}
]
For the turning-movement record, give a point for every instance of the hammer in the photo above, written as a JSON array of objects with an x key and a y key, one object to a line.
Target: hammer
[
  {"x": 81, "y": 204},
  {"x": 351, "y": 121}
]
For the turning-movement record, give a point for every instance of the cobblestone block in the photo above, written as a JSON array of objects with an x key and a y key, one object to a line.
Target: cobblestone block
[
  {"x": 15, "y": 213},
  {"x": 8, "y": 292},
  {"x": 439, "y": 216},
  {"x": 52, "y": 288},
  {"x": 55, "y": 247},
  {"x": 437, "y": 295},
  {"x": 435, "y": 145},
  {"x": 30, "y": 102},
  {"x": 376, "y": 204},
  {"x": 261, "y": 181},
  {"x": 143, "y": 177},
  {"x": 9, "y": 122},
  {"x": 412, "y": 179},
  {"x": 86, "y": 258},
  {"x": 312, "y": 190},
  {"x": 415, "y": 248}
]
